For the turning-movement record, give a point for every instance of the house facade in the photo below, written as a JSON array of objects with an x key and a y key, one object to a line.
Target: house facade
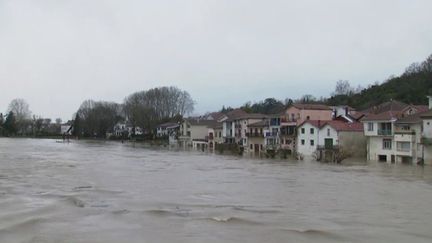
[
  {"x": 307, "y": 137},
  {"x": 215, "y": 136},
  {"x": 392, "y": 130},
  {"x": 335, "y": 135},
  {"x": 194, "y": 132},
  {"x": 296, "y": 115}
]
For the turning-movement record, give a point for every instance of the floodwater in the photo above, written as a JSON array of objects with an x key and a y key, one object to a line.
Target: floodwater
[{"x": 106, "y": 192}]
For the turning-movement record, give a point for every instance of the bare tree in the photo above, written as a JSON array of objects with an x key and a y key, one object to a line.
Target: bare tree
[
  {"x": 20, "y": 109},
  {"x": 147, "y": 108},
  {"x": 97, "y": 118},
  {"x": 343, "y": 87}
]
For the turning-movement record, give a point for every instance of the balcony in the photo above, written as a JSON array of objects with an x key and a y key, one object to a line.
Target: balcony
[
  {"x": 404, "y": 137},
  {"x": 271, "y": 134},
  {"x": 254, "y": 135},
  {"x": 272, "y": 146},
  {"x": 409, "y": 132},
  {"x": 382, "y": 132},
  {"x": 426, "y": 141},
  {"x": 328, "y": 147}
]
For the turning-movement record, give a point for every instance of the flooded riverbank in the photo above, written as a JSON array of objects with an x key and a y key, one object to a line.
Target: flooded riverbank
[{"x": 93, "y": 191}]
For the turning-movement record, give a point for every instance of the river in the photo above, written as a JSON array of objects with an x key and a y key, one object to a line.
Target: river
[{"x": 88, "y": 191}]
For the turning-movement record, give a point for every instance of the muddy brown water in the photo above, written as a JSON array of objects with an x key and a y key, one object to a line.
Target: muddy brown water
[{"x": 87, "y": 191}]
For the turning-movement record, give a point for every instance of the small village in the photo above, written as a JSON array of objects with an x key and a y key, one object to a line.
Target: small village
[{"x": 392, "y": 132}]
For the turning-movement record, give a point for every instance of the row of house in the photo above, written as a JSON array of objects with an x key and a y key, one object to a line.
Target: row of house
[
  {"x": 393, "y": 132},
  {"x": 302, "y": 128}
]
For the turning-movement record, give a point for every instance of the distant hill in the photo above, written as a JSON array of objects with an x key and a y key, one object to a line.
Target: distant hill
[{"x": 412, "y": 87}]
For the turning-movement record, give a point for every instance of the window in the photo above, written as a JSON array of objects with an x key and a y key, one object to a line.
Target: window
[
  {"x": 220, "y": 134},
  {"x": 328, "y": 132},
  {"x": 251, "y": 146},
  {"x": 387, "y": 143},
  {"x": 406, "y": 127},
  {"x": 302, "y": 130},
  {"x": 312, "y": 142},
  {"x": 302, "y": 142},
  {"x": 403, "y": 146},
  {"x": 312, "y": 131},
  {"x": 382, "y": 158},
  {"x": 370, "y": 126}
]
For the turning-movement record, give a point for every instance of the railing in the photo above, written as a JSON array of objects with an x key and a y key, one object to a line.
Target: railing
[
  {"x": 253, "y": 134},
  {"x": 383, "y": 132},
  {"x": 271, "y": 134},
  {"x": 287, "y": 133},
  {"x": 426, "y": 141},
  {"x": 272, "y": 146},
  {"x": 409, "y": 132},
  {"x": 288, "y": 120},
  {"x": 328, "y": 147}
]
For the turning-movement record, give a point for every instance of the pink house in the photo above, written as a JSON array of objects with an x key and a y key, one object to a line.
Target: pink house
[
  {"x": 298, "y": 113},
  {"x": 295, "y": 115}
]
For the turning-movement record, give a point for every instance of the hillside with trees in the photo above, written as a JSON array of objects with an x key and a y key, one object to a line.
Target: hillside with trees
[{"x": 411, "y": 87}]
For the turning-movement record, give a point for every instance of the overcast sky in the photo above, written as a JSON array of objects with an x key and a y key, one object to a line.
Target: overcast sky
[{"x": 57, "y": 53}]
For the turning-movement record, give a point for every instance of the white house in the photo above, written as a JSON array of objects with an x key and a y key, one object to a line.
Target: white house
[
  {"x": 334, "y": 135},
  {"x": 307, "y": 137},
  {"x": 379, "y": 129},
  {"x": 166, "y": 129},
  {"x": 194, "y": 132},
  {"x": 66, "y": 129}
]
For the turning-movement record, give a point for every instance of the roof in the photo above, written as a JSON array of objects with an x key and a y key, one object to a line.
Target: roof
[
  {"x": 216, "y": 115},
  {"x": 314, "y": 123},
  {"x": 383, "y": 116},
  {"x": 168, "y": 124},
  {"x": 200, "y": 122},
  {"x": 427, "y": 114},
  {"x": 421, "y": 108},
  {"x": 235, "y": 113},
  {"x": 258, "y": 124},
  {"x": 217, "y": 125},
  {"x": 415, "y": 118},
  {"x": 392, "y": 105},
  {"x": 343, "y": 106},
  {"x": 245, "y": 115},
  {"x": 345, "y": 126},
  {"x": 311, "y": 106},
  {"x": 337, "y": 125},
  {"x": 358, "y": 115}
]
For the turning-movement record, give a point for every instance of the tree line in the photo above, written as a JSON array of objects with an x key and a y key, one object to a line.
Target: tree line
[
  {"x": 144, "y": 109},
  {"x": 411, "y": 87},
  {"x": 19, "y": 121}
]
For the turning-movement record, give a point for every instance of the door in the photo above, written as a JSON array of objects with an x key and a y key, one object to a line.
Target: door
[
  {"x": 256, "y": 149},
  {"x": 328, "y": 143}
]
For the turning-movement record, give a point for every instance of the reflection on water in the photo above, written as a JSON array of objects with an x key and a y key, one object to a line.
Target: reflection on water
[{"x": 111, "y": 192}]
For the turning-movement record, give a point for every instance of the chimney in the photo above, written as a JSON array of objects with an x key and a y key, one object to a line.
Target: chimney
[{"x": 430, "y": 102}]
